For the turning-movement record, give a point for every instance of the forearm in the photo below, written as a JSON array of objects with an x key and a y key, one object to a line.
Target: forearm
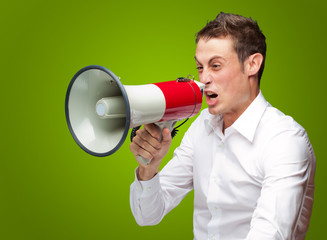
[
  {"x": 146, "y": 201},
  {"x": 151, "y": 200},
  {"x": 154, "y": 194}
]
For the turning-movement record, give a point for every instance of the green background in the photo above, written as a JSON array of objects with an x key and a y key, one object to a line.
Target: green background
[{"x": 49, "y": 187}]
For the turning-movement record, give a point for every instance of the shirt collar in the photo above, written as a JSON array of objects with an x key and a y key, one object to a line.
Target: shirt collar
[
  {"x": 214, "y": 123},
  {"x": 246, "y": 124}
]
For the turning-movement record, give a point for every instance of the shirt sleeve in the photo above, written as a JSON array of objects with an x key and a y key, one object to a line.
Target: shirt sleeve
[
  {"x": 145, "y": 201},
  {"x": 287, "y": 189},
  {"x": 151, "y": 200}
]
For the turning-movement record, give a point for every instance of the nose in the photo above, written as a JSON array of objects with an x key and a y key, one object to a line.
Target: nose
[{"x": 205, "y": 77}]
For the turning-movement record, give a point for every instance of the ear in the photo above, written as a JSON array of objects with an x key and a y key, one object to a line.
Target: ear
[{"x": 254, "y": 63}]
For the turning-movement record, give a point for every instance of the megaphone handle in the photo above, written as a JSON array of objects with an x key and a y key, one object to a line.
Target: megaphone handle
[{"x": 161, "y": 125}]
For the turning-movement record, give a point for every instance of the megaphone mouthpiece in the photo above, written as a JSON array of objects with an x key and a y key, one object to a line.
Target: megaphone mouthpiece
[{"x": 111, "y": 107}]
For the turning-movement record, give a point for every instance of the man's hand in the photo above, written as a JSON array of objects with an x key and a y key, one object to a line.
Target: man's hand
[{"x": 146, "y": 144}]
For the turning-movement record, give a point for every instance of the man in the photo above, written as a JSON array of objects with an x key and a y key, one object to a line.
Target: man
[{"x": 251, "y": 167}]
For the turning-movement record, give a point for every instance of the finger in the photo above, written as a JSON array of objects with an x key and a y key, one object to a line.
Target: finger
[
  {"x": 137, "y": 152},
  {"x": 153, "y": 130},
  {"x": 144, "y": 145},
  {"x": 142, "y": 160},
  {"x": 144, "y": 135}
]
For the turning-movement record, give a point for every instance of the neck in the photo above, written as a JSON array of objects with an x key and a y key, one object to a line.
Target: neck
[{"x": 231, "y": 117}]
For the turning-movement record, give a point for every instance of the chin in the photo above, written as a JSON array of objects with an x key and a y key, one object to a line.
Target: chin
[{"x": 214, "y": 111}]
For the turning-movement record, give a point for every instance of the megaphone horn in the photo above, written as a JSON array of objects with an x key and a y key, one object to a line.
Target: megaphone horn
[{"x": 100, "y": 110}]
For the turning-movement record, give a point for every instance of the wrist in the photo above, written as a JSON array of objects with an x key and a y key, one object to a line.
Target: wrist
[{"x": 146, "y": 173}]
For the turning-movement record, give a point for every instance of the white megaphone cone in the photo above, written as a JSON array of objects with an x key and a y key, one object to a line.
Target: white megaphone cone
[{"x": 100, "y": 110}]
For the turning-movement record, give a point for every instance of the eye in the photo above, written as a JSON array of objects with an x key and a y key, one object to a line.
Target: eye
[
  {"x": 199, "y": 68},
  {"x": 216, "y": 66}
]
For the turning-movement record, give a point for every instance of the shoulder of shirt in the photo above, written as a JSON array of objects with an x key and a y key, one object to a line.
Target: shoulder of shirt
[
  {"x": 282, "y": 131},
  {"x": 281, "y": 135},
  {"x": 276, "y": 121}
]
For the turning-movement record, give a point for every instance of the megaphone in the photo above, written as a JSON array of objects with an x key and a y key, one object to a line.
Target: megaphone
[{"x": 100, "y": 110}]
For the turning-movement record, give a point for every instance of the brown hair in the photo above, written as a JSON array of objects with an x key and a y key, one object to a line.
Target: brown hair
[{"x": 247, "y": 36}]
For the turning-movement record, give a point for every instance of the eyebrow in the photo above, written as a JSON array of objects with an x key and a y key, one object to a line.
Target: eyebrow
[{"x": 211, "y": 59}]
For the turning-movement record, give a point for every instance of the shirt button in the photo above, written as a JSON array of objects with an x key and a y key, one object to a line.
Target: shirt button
[
  {"x": 221, "y": 144},
  {"x": 213, "y": 237},
  {"x": 148, "y": 189}
]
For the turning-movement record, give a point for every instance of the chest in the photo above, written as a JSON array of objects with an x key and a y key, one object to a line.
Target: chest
[{"x": 227, "y": 171}]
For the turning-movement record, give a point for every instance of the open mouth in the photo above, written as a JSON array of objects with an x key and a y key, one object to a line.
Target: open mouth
[{"x": 212, "y": 96}]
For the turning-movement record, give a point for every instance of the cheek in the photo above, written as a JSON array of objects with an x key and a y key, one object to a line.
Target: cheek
[
  {"x": 226, "y": 84},
  {"x": 232, "y": 86}
]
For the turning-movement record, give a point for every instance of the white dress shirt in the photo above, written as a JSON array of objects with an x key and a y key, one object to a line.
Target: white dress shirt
[{"x": 255, "y": 181}]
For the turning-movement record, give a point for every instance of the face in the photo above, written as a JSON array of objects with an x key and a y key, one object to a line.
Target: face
[{"x": 228, "y": 89}]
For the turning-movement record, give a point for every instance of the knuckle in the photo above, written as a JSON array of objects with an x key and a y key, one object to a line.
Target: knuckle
[
  {"x": 136, "y": 139},
  {"x": 139, "y": 133},
  {"x": 153, "y": 151},
  {"x": 134, "y": 148},
  {"x": 155, "y": 154},
  {"x": 144, "y": 134},
  {"x": 131, "y": 146},
  {"x": 153, "y": 131},
  {"x": 145, "y": 155},
  {"x": 156, "y": 135},
  {"x": 143, "y": 144},
  {"x": 157, "y": 145}
]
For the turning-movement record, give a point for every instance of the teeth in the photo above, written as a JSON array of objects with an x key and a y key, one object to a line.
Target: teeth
[{"x": 212, "y": 96}]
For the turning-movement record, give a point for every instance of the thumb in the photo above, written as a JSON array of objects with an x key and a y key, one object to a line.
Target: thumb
[{"x": 166, "y": 136}]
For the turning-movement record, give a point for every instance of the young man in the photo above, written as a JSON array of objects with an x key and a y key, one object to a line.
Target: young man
[{"x": 251, "y": 167}]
